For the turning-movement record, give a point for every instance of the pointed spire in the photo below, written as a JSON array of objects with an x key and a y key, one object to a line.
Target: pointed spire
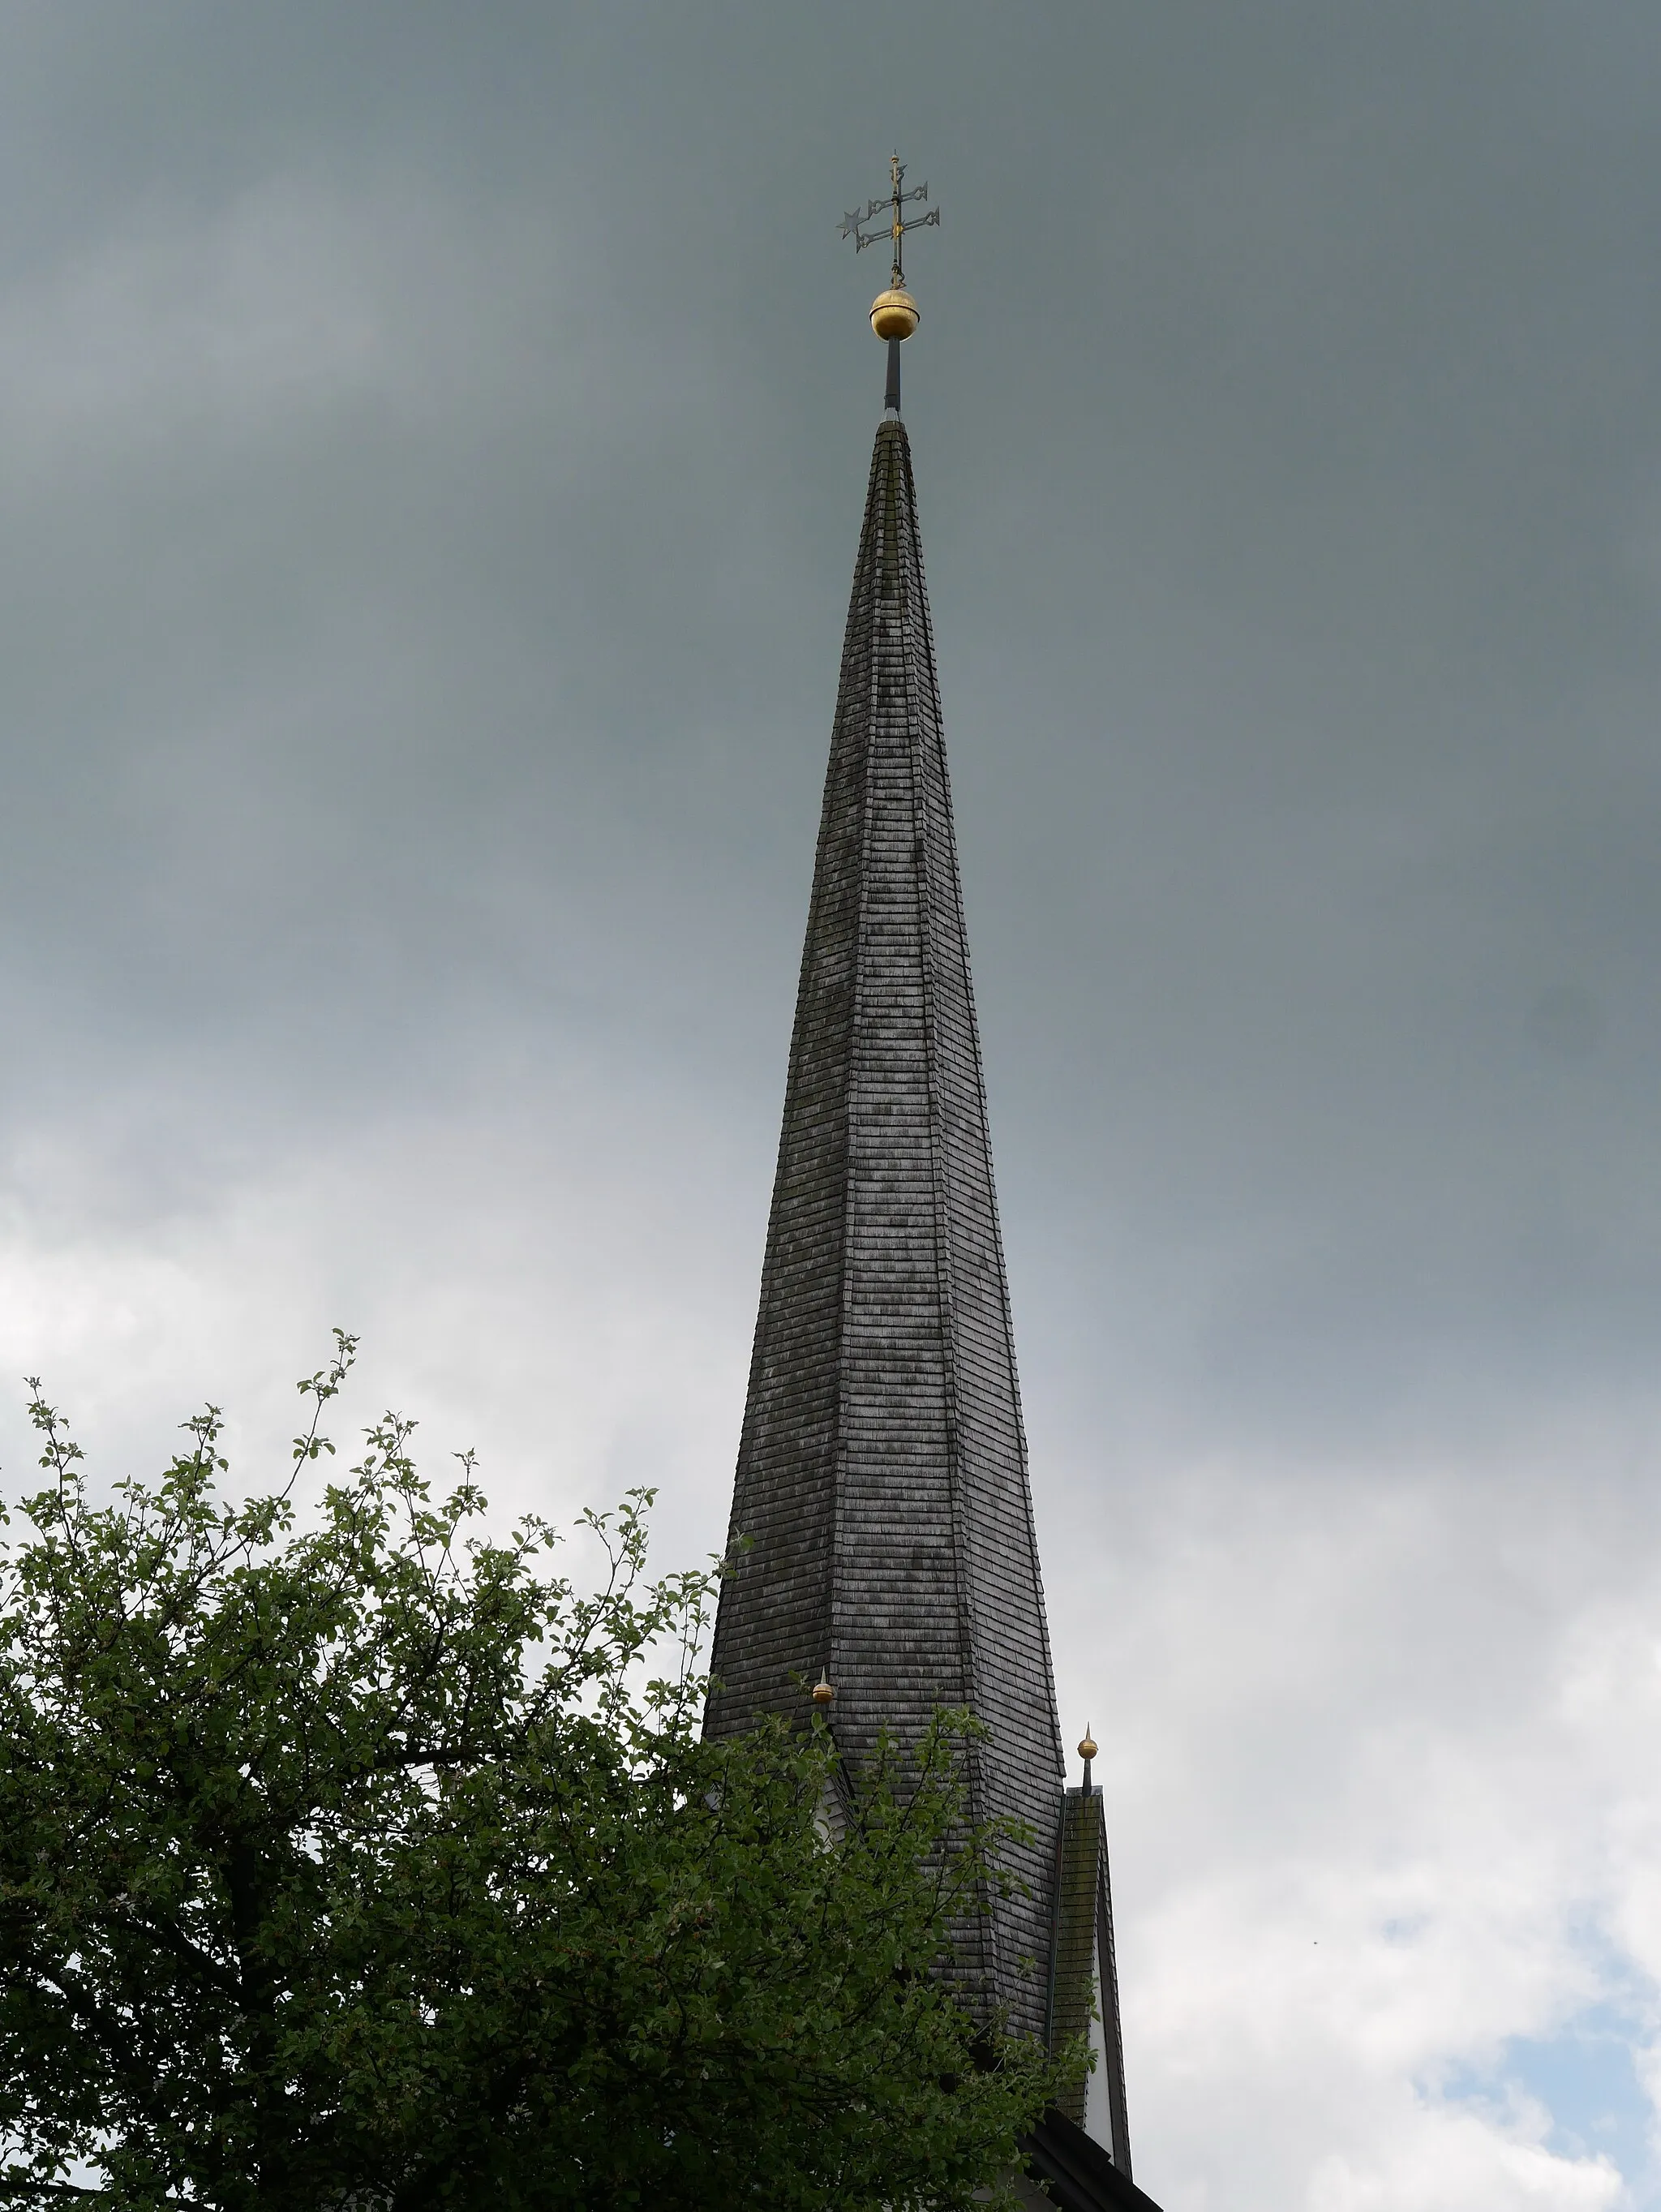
[{"x": 881, "y": 1474}]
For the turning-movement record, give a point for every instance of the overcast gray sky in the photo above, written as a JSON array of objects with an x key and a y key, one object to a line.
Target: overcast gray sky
[{"x": 432, "y": 445}]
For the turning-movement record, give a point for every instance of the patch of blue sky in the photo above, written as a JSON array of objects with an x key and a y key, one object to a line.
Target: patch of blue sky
[{"x": 1586, "y": 2077}]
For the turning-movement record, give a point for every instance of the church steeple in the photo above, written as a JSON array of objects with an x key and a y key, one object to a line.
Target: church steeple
[
  {"x": 882, "y": 1475},
  {"x": 885, "y": 1560}
]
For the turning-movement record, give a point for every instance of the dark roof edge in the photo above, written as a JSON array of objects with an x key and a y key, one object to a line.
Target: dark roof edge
[{"x": 1077, "y": 2171}]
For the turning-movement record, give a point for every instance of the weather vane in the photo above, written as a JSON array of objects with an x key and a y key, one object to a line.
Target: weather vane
[{"x": 893, "y": 312}]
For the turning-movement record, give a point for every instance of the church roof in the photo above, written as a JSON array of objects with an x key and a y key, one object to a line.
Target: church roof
[{"x": 881, "y": 1479}]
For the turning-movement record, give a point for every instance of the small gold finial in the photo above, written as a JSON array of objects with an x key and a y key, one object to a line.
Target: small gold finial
[
  {"x": 1087, "y": 1750},
  {"x": 823, "y": 1695}
]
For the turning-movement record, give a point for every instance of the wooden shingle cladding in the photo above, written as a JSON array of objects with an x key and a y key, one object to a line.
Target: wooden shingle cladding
[
  {"x": 881, "y": 1479},
  {"x": 1084, "y": 1975},
  {"x": 1073, "y": 1973}
]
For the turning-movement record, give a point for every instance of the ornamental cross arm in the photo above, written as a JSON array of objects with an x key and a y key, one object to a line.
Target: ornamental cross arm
[
  {"x": 864, "y": 237},
  {"x": 897, "y": 198}
]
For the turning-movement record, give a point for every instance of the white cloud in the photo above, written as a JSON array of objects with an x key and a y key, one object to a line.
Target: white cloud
[
  {"x": 1385, "y": 1781},
  {"x": 1381, "y": 1754}
]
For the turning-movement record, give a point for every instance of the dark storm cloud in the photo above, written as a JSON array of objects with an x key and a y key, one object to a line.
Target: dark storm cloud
[{"x": 433, "y": 460}]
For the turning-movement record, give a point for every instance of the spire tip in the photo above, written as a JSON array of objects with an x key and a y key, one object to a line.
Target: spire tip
[{"x": 893, "y": 312}]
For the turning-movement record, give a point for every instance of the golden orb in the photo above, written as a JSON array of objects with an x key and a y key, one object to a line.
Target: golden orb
[
  {"x": 894, "y": 314},
  {"x": 822, "y": 1692},
  {"x": 1088, "y": 1748}
]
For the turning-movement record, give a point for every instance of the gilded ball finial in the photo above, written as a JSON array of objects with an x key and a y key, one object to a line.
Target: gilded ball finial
[
  {"x": 894, "y": 314},
  {"x": 823, "y": 1695},
  {"x": 1087, "y": 1749}
]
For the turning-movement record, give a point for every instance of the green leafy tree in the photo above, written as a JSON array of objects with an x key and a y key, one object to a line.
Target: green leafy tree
[{"x": 353, "y": 1859}]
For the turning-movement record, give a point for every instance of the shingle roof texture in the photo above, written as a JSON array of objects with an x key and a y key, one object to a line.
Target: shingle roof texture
[
  {"x": 1073, "y": 1977},
  {"x": 881, "y": 1479},
  {"x": 1084, "y": 1969}
]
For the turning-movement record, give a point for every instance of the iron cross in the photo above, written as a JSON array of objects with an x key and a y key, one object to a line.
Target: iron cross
[{"x": 899, "y": 224}]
